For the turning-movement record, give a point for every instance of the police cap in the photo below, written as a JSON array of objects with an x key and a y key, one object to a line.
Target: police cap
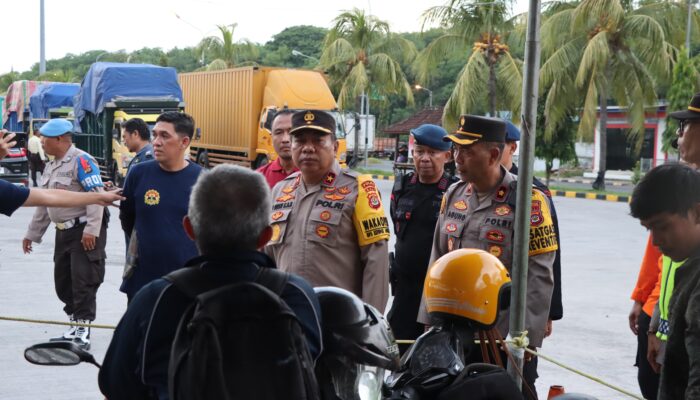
[
  {"x": 692, "y": 112},
  {"x": 432, "y": 136},
  {"x": 473, "y": 128},
  {"x": 56, "y": 127},
  {"x": 512, "y": 132},
  {"x": 319, "y": 121}
]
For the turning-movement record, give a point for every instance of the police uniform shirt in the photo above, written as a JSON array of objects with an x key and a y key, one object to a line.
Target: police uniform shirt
[
  {"x": 466, "y": 222},
  {"x": 332, "y": 234},
  {"x": 145, "y": 154},
  {"x": 415, "y": 209},
  {"x": 77, "y": 171}
]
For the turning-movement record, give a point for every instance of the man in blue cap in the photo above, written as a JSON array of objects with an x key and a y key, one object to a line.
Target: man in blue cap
[
  {"x": 556, "y": 309},
  {"x": 81, "y": 232},
  {"x": 415, "y": 204}
]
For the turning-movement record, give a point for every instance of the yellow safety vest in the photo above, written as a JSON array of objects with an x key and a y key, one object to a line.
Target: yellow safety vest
[{"x": 668, "y": 273}]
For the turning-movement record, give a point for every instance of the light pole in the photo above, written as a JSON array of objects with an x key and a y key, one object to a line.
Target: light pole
[
  {"x": 42, "y": 43},
  {"x": 430, "y": 94}
]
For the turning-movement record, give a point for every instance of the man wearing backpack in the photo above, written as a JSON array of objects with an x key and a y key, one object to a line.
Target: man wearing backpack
[{"x": 221, "y": 330}]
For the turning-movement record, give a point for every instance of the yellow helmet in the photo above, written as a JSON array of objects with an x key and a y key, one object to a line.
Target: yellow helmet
[{"x": 467, "y": 284}]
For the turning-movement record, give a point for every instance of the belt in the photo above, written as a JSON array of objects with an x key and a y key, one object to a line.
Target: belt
[{"x": 72, "y": 223}]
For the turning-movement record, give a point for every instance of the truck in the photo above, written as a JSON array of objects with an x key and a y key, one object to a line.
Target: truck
[
  {"x": 112, "y": 93},
  {"x": 51, "y": 100},
  {"x": 360, "y": 127},
  {"x": 233, "y": 111}
]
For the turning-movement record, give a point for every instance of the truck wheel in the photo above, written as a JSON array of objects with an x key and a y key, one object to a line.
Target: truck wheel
[
  {"x": 203, "y": 159},
  {"x": 260, "y": 160}
]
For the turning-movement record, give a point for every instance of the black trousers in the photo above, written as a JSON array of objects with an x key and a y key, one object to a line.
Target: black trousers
[
  {"x": 35, "y": 164},
  {"x": 647, "y": 378},
  {"x": 404, "y": 310},
  {"x": 79, "y": 273}
]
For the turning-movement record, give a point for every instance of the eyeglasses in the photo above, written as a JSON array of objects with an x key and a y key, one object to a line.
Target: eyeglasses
[{"x": 682, "y": 124}]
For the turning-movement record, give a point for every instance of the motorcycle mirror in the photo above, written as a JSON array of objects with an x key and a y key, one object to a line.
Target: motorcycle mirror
[{"x": 58, "y": 353}]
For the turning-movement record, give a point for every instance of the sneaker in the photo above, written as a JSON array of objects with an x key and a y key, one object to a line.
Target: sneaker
[
  {"x": 68, "y": 334},
  {"x": 82, "y": 334}
]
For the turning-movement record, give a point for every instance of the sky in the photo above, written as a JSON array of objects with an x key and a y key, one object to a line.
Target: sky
[{"x": 76, "y": 26}]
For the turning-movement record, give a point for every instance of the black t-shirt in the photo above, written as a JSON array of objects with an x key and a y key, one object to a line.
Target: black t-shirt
[{"x": 11, "y": 197}]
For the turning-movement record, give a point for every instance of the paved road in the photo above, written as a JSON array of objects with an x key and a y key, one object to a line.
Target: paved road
[{"x": 602, "y": 250}]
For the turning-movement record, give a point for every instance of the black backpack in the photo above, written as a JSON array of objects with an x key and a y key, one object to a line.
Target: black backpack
[{"x": 239, "y": 341}]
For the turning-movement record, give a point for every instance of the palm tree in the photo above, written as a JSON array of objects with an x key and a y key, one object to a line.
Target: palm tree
[
  {"x": 223, "y": 51},
  {"x": 482, "y": 32},
  {"x": 361, "y": 55},
  {"x": 596, "y": 50}
]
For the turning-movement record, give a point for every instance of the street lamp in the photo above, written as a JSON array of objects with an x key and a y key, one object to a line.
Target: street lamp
[
  {"x": 298, "y": 53},
  {"x": 430, "y": 94}
]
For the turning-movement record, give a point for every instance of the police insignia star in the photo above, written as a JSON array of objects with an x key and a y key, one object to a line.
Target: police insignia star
[
  {"x": 501, "y": 193},
  {"x": 329, "y": 179}
]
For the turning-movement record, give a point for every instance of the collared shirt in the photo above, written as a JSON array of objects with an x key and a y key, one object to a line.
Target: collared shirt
[
  {"x": 467, "y": 222},
  {"x": 274, "y": 172},
  {"x": 76, "y": 171},
  {"x": 34, "y": 146},
  {"x": 332, "y": 234},
  {"x": 145, "y": 154}
]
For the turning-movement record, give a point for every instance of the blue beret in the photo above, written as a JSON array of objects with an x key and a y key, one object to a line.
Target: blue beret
[
  {"x": 512, "y": 132},
  {"x": 431, "y": 136},
  {"x": 56, "y": 127}
]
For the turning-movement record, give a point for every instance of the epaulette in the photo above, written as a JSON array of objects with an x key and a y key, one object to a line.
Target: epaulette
[{"x": 350, "y": 173}]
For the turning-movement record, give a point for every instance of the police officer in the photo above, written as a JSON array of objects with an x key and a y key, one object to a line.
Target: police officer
[
  {"x": 556, "y": 310},
  {"x": 328, "y": 224},
  {"x": 81, "y": 232},
  {"x": 415, "y": 204},
  {"x": 479, "y": 212}
]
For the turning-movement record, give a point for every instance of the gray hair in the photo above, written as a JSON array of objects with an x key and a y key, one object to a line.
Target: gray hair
[{"x": 229, "y": 209}]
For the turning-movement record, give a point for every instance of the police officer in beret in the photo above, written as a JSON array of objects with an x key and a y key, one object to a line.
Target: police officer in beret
[
  {"x": 556, "y": 310},
  {"x": 415, "y": 204},
  {"x": 81, "y": 232},
  {"x": 479, "y": 212},
  {"x": 328, "y": 224}
]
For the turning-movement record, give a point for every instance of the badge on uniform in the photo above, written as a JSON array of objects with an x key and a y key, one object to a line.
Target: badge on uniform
[
  {"x": 502, "y": 210},
  {"x": 329, "y": 189},
  {"x": 495, "y": 235},
  {"x": 277, "y": 215},
  {"x": 325, "y": 215},
  {"x": 152, "y": 197},
  {"x": 536, "y": 217},
  {"x": 323, "y": 231},
  {"x": 461, "y": 205},
  {"x": 496, "y": 250},
  {"x": 450, "y": 243},
  {"x": 333, "y": 197},
  {"x": 329, "y": 179},
  {"x": 288, "y": 189},
  {"x": 284, "y": 198},
  {"x": 501, "y": 193},
  {"x": 88, "y": 174},
  {"x": 451, "y": 228},
  {"x": 275, "y": 232},
  {"x": 344, "y": 190}
]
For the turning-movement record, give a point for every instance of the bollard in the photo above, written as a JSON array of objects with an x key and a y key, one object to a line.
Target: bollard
[{"x": 554, "y": 391}]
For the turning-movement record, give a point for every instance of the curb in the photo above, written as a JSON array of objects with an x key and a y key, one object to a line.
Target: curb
[
  {"x": 590, "y": 181},
  {"x": 592, "y": 196},
  {"x": 561, "y": 193}
]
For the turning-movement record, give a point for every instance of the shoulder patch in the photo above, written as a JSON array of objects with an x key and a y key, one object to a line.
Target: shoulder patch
[
  {"x": 543, "y": 238},
  {"x": 370, "y": 221},
  {"x": 88, "y": 173}
]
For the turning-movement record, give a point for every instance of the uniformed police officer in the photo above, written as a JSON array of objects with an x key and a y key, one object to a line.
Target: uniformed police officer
[
  {"x": 81, "y": 232},
  {"x": 479, "y": 212},
  {"x": 328, "y": 224},
  {"x": 415, "y": 204}
]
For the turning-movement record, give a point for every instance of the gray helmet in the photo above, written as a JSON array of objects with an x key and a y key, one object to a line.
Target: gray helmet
[{"x": 355, "y": 329}]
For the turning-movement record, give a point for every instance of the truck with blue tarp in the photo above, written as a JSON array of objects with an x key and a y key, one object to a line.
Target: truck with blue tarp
[
  {"x": 15, "y": 108},
  {"x": 112, "y": 93},
  {"x": 51, "y": 100}
]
